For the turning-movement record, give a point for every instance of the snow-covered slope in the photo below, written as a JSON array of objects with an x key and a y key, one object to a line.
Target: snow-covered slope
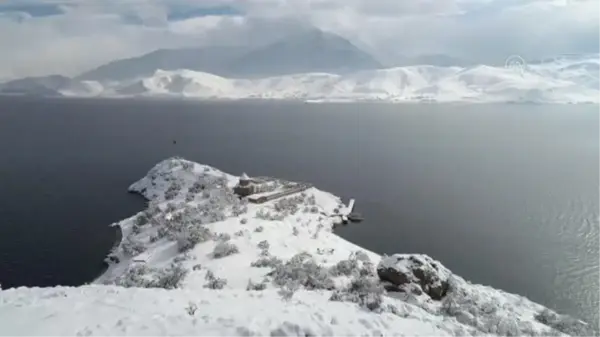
[
  {"x": 557, "y": 81},
  {"x": 52, "y": 85},
  {"x": 215, "y": 264},
  {"x": 109, "y": 311}
]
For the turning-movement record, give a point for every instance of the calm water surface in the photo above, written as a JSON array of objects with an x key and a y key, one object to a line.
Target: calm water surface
[{"x": 504, "y": 195}]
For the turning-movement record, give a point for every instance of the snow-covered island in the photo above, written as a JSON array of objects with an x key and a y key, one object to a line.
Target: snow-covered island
[{"x": 202, "y": 261}]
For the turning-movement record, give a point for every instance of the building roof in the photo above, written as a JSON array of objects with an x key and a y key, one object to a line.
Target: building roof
[{"x": 244, "y": 176}]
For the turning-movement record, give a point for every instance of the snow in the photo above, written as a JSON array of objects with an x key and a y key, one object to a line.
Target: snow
[
  {"x": 201, "y": 243},
  {"x": 559, "y": 80},
  {"x": 109, "y": 310}
]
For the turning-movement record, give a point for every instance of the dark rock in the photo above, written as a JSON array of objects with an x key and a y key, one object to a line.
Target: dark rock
[
  {"x": 392, "y": 288},
  {"x": 393, "y": 276},
  {"x": 416, "y": 274}
]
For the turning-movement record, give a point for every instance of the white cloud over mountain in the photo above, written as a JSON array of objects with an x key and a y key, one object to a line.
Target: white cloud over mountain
[{"x": 80, "y": 35}]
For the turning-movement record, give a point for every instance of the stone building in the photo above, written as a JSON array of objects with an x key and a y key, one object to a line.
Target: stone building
[{"x": 246, "y": 186}]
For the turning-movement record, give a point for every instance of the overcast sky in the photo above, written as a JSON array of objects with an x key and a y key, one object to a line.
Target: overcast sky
[{"x": 39, "y": 37}]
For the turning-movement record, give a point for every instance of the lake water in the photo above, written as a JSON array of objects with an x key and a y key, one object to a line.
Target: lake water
[{"x": 503, "y": 195}]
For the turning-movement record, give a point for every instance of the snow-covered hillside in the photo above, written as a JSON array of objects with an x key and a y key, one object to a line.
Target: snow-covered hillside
[
  {"x": 557, "y": 81},
  {"x": 201, "y": 261},
  {"x": 560, "y": 80}
]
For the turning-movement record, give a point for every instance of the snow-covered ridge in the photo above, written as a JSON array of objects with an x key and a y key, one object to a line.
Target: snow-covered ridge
[
  {"x": 215, "y": 264},
  {"x": 556, "y": 81}
]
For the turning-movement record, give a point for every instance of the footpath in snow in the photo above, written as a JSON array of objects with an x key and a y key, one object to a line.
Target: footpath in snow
[{"x": 201, "y": 261}]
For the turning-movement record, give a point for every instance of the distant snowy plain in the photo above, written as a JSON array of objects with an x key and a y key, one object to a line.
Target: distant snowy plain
[
  {"x": 200, "y": 261},
  {"x": 562, "y": 81}
]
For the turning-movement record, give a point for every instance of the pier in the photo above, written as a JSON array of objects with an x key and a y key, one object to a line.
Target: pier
[
  {"x": 350, "y": 214},
  {"x": 350, "y": 206}
]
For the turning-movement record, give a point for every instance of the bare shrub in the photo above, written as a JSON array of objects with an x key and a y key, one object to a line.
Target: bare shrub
[
  {"x": 302, "y": 270},
  {"x": 489, "y": 315},
  {"x": 191, "y": 236},
  {"x": 238, "y": 209},
  {"x": 345, "y": 267},
  {"x": 222, "y": 237},
  {"x": 142, "y": 219},
  {"x": 264, "y": 244},
  {"x": 223, "y": 249},
  {"x": 267, "y": 262},
  {"x": 366, "y": 292},
  {"x": 171, "y": 207},
  {"x": 141, "y": 276},
  {"x": 135, "y": 276},
  {"x": 187, "y": 166},
  {"x": 564, "y": 324},
  {"x": 135, "y": 229},
  {"x": 191, "y": 308},
  {"x": 287, "y": 291},
  {"x": 289, "y": 205},
  {"x": 214, "y": 282},
  {"x": 256, "y": 286},
  {"x": 196, "y": 187},
  {"x": 172, "y": 191},
  {"x": 171, "y": 277},
  {"x": 217, "y": 283},
  {"x": 181, "y": 258},
  {"x": 132, "y": 248},
  {"x": 266, "y": 215}
]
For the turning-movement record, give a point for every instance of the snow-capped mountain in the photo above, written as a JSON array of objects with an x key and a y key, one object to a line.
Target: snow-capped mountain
[
  {"x": 561, "y": 80},
  {"x": 213, "y": 59},
  {"x": 309, "y": 51},
  {"x": 52, "y": 85},
  {"x": 556, "y": 82}
]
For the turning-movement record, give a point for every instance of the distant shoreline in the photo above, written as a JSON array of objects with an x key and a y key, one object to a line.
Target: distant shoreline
[{"x": 167, "y": 98}]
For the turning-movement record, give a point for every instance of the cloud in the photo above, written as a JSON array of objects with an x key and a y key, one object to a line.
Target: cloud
[
  {"x": 88, "y": 34},
  {"x": 41, "y": 37},
  {"x": 31, "y": 10},
  {"x": 478, "y": 31}
]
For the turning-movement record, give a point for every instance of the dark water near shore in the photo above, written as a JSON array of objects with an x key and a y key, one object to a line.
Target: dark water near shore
[{"x": 504, "y": 195}]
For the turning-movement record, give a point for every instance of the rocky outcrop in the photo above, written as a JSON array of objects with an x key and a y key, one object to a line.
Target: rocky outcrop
[{"x": 415, "y": 274}]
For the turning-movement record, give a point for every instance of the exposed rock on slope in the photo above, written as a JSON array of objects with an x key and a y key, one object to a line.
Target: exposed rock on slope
[{"x": 416, "y": 273}]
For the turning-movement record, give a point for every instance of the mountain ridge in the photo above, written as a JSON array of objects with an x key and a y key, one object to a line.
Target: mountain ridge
[
  {"x": 562, "y": 81},
  {"x": 309, "y": 51}
]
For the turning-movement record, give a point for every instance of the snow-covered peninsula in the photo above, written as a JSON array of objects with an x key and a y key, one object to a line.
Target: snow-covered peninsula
[{"x": 200, "y": 260}]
